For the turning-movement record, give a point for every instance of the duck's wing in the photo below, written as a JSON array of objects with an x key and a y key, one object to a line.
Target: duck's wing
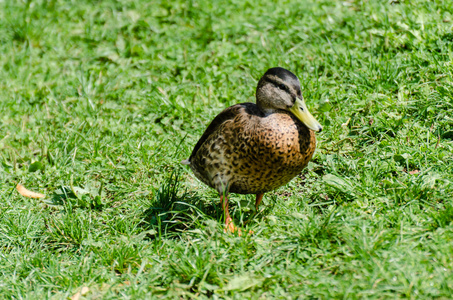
[{"x": 229, "y": 113}]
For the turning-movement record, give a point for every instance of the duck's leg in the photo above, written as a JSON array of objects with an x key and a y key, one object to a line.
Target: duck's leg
[
  {"x": 259, "y": 197},
  {"x": 229, "y": 225}
]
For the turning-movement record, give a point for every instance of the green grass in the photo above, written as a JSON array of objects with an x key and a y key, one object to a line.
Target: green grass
[{"x": 99, "y": 102}]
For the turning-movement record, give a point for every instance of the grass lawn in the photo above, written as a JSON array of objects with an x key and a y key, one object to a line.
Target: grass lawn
[{"x": 100, "y": 101}]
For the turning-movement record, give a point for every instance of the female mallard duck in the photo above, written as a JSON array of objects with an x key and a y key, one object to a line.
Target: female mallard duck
[{"x": 255, "y": 148}]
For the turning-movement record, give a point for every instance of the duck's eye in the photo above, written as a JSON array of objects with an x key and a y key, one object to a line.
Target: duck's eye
[{"x": 282, "y": 87}]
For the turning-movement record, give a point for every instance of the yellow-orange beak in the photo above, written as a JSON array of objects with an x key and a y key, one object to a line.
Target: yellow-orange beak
[{"x": 300, "y": 110}]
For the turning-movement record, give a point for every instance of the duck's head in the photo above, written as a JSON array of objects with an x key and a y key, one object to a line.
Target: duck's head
[{"x": 280, "y": 89}]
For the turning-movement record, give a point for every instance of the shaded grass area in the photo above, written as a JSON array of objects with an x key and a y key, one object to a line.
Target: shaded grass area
[{"x": 100, "y": 102}]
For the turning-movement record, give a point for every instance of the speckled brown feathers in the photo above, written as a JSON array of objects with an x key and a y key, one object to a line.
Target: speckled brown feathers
[
  {"x": 245, "y": 151},
  {"x": 255, "y": 148}
]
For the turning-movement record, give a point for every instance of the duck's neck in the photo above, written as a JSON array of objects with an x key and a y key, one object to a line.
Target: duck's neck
[{"x": 268, "y": 111}]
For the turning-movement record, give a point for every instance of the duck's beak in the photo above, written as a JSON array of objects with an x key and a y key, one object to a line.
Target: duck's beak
[{"x": 300, "y": 110}]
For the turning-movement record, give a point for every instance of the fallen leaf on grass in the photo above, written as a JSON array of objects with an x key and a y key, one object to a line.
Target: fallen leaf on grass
[
  {"x": 127, "y": 282},
  {"x": 82, "y": 292},
  {"x": 346, "y": 123},
  {"x": 411, "y": 172},
  {"x": 162, "y": 91},
  {"x": 26, "y": 193}
]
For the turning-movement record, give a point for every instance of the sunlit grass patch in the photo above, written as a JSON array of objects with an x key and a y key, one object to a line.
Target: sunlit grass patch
[{"x": 100, "y": 102}]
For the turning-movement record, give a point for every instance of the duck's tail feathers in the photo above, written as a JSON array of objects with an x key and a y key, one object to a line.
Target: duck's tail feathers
[{"x": 185, "y": 162}]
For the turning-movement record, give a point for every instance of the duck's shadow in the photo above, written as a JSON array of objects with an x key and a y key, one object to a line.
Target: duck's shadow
[{"x": 174, "y": 209}]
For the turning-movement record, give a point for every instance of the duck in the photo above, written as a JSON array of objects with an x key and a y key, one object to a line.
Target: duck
[{"x": 254, "y": 148}]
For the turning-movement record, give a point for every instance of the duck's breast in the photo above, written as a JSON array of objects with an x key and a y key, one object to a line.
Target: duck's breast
[{"x": 270, "y": 153}]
